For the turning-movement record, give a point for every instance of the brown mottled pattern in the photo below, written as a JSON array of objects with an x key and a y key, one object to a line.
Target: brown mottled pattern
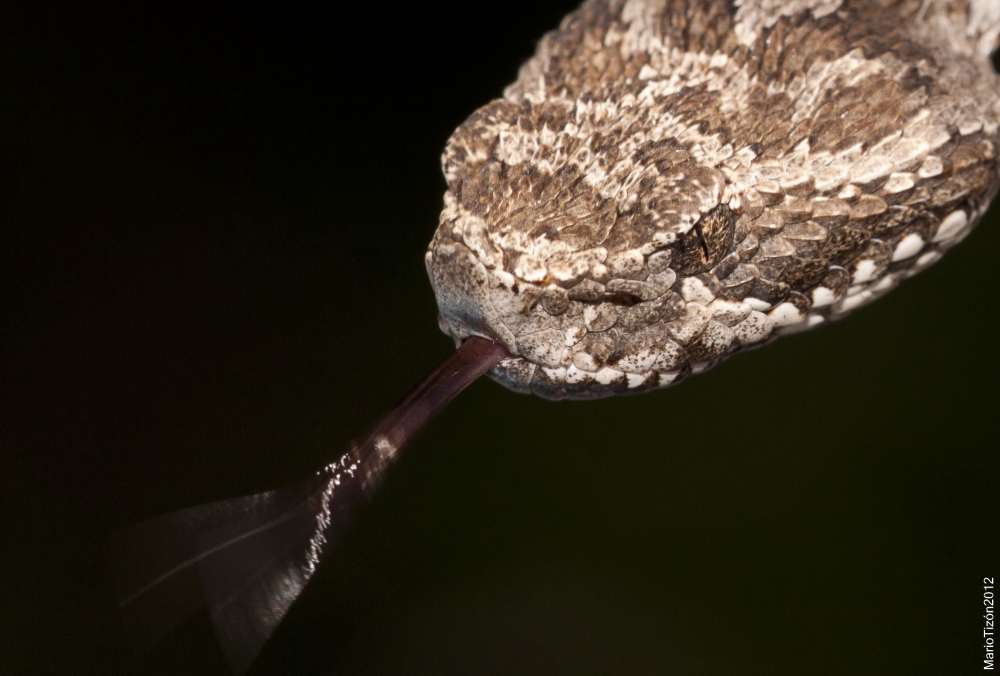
[{"x": 669, "y": 182}]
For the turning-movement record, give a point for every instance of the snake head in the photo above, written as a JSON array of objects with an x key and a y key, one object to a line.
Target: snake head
[
  {"x": 586, "y": 282},
  {"x": 658, "y": 191}
]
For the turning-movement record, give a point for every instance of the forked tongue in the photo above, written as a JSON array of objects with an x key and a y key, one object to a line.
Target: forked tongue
[{"x": 247, "y": 559}]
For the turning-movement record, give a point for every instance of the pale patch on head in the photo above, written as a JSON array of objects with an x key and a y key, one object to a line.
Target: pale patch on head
[
  {"x": 908, "y": 246},
  {"x": 984, "y": 22},
  {"x": 693, "y": 290},
  {"x": 786, "y": 314},
  {"x": 607, "y": 376},
  {"x": 729, "y": 312},
  {"x": 530, "y": 269},
  {"x": 585, "y": 362},
  {"x": 932, "y": 166},
  {"x": 752, "y": 15},
  {"x": 665, "y": 378},
  {"x": 822, "y": 296},
  {"x": 951, "y": 225},
  {"x": 640, "y": 362},
  {"x": 757, "y": 304},
  {"x": 753, "y": 329},
  {"x": 575, "y": 375},
  {"x": 864, "y": 271}
]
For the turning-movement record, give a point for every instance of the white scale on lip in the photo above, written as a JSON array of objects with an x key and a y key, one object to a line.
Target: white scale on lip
[
  {"x": 823, "y": 296},
  {"x": 908, "y": 247},
  {"x": 951, "y": 225},
  {"x": 786, "y": 314}
]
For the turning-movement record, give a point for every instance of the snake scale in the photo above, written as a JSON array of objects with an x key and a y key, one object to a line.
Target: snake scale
[{"x": 669, "y": 182}]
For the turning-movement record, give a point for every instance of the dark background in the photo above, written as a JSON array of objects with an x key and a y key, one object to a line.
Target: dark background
[{"x": 211, "y": 258}]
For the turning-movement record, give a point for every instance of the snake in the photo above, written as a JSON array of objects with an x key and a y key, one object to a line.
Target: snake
[
  {"x": 671, "y": 182},
  {"x": 666, "y": 184}
]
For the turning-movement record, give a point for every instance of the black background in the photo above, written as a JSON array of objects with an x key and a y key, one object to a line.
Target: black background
[{"x": 211, "y": 258}]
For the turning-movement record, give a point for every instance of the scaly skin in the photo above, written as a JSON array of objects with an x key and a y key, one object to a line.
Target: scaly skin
[{"x": 668, "y": 183}]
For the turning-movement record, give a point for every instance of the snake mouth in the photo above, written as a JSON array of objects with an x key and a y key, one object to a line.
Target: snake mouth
[{"x": 482, "y": 332}]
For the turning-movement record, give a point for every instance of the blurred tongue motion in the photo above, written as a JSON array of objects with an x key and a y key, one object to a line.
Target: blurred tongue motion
[{"x": 247, "y": 559}]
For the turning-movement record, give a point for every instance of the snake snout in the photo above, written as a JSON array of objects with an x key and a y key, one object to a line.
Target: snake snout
[{"x": 462, "y": 289}]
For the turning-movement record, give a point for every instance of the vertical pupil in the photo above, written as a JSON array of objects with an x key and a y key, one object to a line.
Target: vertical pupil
[{"x": 704, "y": 245}]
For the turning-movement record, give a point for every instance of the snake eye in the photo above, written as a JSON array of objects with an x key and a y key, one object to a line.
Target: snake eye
[{"x": 704, "y": 245}]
